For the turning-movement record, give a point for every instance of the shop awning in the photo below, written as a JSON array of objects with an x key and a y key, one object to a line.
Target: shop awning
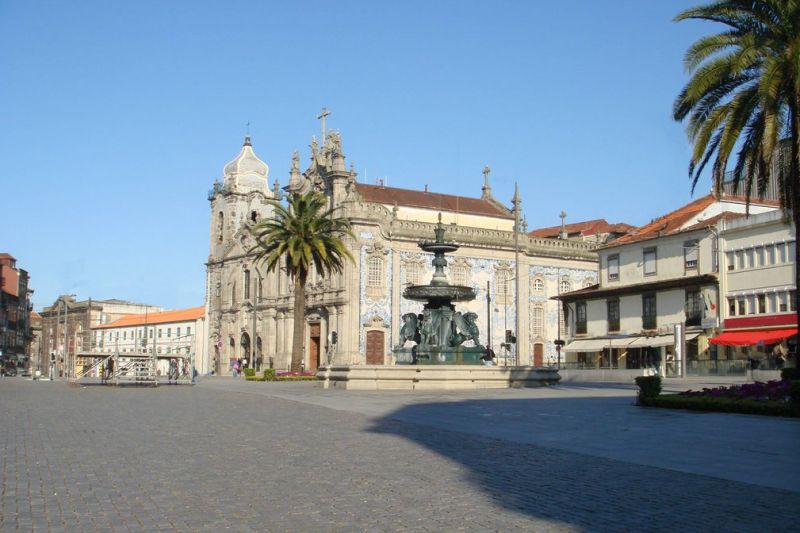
[
  {"x": 751, "y": 338},
  {"x": 659, "y": 340},
  {"x": 586, "y": 345},
  {"x": 596, "y": 345}
]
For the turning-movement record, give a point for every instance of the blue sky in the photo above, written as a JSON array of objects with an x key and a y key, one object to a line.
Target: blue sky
[{"x": 118, "y": 116}]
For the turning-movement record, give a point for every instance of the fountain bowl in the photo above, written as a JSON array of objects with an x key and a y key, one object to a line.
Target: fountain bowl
[{"x": 451, "y": 293}]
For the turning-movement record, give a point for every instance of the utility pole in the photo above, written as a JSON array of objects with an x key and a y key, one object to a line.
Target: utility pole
[
  {"x": 488, "y": 319},
  {"x": 517, "y": 220}
]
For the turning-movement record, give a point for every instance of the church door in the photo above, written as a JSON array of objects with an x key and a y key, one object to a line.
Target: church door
[
  {"x": 538, "y": 354},
  {"x": 375, "y": 348},
  {"x": 313, "y": 347}
]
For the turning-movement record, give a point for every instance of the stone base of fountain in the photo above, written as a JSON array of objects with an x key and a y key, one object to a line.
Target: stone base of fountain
[
  {"x": 434, "y": 377},
  {"x": 433, "y": 355}
]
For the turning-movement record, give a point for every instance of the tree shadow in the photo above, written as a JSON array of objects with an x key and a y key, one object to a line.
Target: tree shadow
[{"x": 522, "y": 474}]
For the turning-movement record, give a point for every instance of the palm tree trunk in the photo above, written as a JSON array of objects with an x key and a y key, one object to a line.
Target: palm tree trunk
[{"x": 298, "y": 324}]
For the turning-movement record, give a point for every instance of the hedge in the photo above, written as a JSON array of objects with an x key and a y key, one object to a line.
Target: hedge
[{"x": 724, "y": 405}]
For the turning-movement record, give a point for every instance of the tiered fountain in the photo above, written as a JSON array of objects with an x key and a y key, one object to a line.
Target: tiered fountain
[{"x": 439, "y": 333}]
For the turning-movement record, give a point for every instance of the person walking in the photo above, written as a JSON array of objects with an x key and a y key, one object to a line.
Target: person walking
[{"x": 236, "y": 367}]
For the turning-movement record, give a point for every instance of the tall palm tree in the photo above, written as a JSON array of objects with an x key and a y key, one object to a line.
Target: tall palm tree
[
  {"x": 744, "y": 95},
  {"x": 303, "y": 235}
]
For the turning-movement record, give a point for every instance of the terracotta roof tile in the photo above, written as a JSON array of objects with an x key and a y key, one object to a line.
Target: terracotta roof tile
[
  {"x": 588, "y": 227},
  {"x": 669, "y": 223},
  {"x": 163, "y": 317},
  {"x": 432, "y": 200}
]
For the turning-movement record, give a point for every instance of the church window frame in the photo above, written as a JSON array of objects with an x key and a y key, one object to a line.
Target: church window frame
[
  {"x": 220, "y": 226},
  {"x": 538, "y": 320},
  {"x": 538, "y": 285},
  {"x": 246, "y": 283},
  {"x": 375, "y": 272}
]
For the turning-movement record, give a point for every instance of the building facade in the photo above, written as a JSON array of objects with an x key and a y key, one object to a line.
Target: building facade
[
  {"x": 163, "y": 334},
  {"x": 250, "y": 311},
  {"x": 759, "y": 305},
  {"x": 66, "y": 340},
  {"x": 658, "y": 300},
  {"x": 15, "y": 308}
]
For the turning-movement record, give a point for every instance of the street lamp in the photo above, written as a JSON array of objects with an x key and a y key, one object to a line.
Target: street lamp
[{"x": 65, "y": 352}]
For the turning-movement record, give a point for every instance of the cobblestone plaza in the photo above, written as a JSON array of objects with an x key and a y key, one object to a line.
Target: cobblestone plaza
[{"x": 227, "y": 455}]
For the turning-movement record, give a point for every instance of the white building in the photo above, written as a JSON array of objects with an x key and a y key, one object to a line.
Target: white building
[
  {"x": 657, "y": 302},
  {"x": 179, "y": 332},
  {"x": 759, "y": 308}
]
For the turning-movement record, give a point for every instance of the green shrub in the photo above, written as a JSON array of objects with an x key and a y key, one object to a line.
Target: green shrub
[
  {"x": 649, "y": 388},
  {"x": 723, "y": 404},
  {"x": 790, "y": 373},
  {"x": 249, "y": 372},
  {"x": 269, "y": 375}
]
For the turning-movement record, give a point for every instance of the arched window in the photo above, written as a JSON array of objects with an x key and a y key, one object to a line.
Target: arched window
[
  {"x": 588, "y": 282},
  {"x": 503, "y": 278},
  {"x": 460, "y": 275},
  {"x": 538, "y": 285},
  {"x": 253, "y": 217},
  {"x": 375, "y": 272},
  {"x": 233, "y": 293},
  {"x": 565, "y": 286},
  {"x": 246, "y": 284},
  {"x": 412, "y": 273},
  {"x": 220, "y": 226}
]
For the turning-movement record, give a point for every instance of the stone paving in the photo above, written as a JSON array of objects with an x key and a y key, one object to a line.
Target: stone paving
[{"x": 227, "y": 455}]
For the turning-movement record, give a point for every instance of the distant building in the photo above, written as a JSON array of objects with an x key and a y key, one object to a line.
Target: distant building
[
  {"x": 78, "y": 318},
  {"x": 34, "y": 351},
  {"x": 598, "y": 231},
  {"x": 657, "y": 303},
  {"x": 178, "y": 332},
  {"x": 15, "y": 333}
]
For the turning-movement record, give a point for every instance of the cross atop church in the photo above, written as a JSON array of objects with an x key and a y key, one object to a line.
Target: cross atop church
[
  {"x": 322, "y": 114},
  {"x": 486, "y": 189}
]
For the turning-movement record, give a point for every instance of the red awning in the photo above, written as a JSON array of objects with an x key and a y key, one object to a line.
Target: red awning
[{"x": 751, "y": 338}]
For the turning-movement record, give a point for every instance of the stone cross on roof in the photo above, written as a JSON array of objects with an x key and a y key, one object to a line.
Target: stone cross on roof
[{"x": 322, "y": 114}]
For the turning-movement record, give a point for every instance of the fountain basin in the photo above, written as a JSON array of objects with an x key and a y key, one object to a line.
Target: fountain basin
[{"x": 449, "y": 293}]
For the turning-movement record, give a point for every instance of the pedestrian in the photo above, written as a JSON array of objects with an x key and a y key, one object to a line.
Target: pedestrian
[{"x": 236, "y": 367}]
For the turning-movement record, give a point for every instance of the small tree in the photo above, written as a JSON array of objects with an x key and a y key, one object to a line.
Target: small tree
[{"x": 303, "y": 235}]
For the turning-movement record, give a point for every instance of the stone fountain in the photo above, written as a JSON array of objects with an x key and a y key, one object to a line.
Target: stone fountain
[{"x": 439, "y": 332}]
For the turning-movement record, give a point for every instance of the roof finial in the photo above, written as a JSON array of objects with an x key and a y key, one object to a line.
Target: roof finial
[
  {"x": 563, "y": 216},
  {"x": 486, "y": 189},
  {"x": 322, "y": 114},
  {"x": 517, "y": 202},
  {"x": 247, "y": 135}
]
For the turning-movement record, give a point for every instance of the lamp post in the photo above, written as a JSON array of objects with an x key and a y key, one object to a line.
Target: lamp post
[{"x": 65, "y": 353}]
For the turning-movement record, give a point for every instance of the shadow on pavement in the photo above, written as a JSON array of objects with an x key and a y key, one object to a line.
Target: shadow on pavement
[{"x": 588, "y": 491}]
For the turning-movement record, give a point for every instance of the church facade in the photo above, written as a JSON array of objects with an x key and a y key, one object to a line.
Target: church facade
[{"x": 355, "y": 317}]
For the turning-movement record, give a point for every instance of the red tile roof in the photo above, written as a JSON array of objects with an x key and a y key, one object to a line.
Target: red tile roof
[
  {"x": 179, "y": 315},
  {"x": 675, "y": 221},
  {"x": 589, "y": 227},
  {"x": 432, "y": 200}
]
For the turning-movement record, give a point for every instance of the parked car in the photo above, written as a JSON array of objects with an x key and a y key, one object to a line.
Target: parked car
[{"x": 8, "y": 370}]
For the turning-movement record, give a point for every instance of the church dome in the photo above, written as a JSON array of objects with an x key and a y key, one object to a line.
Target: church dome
[{"x": 247, "y": 164}]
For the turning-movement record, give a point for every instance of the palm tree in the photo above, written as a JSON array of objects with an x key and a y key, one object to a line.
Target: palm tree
[
  {"x": 303, "y": 235},
  {"x": 744, "y": 95}
]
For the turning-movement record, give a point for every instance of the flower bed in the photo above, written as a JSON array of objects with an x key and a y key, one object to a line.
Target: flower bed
[{"x": 776, "y": 398}]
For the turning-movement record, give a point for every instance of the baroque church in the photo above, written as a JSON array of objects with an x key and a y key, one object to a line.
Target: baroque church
[{"x": 355, "y": 317}]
